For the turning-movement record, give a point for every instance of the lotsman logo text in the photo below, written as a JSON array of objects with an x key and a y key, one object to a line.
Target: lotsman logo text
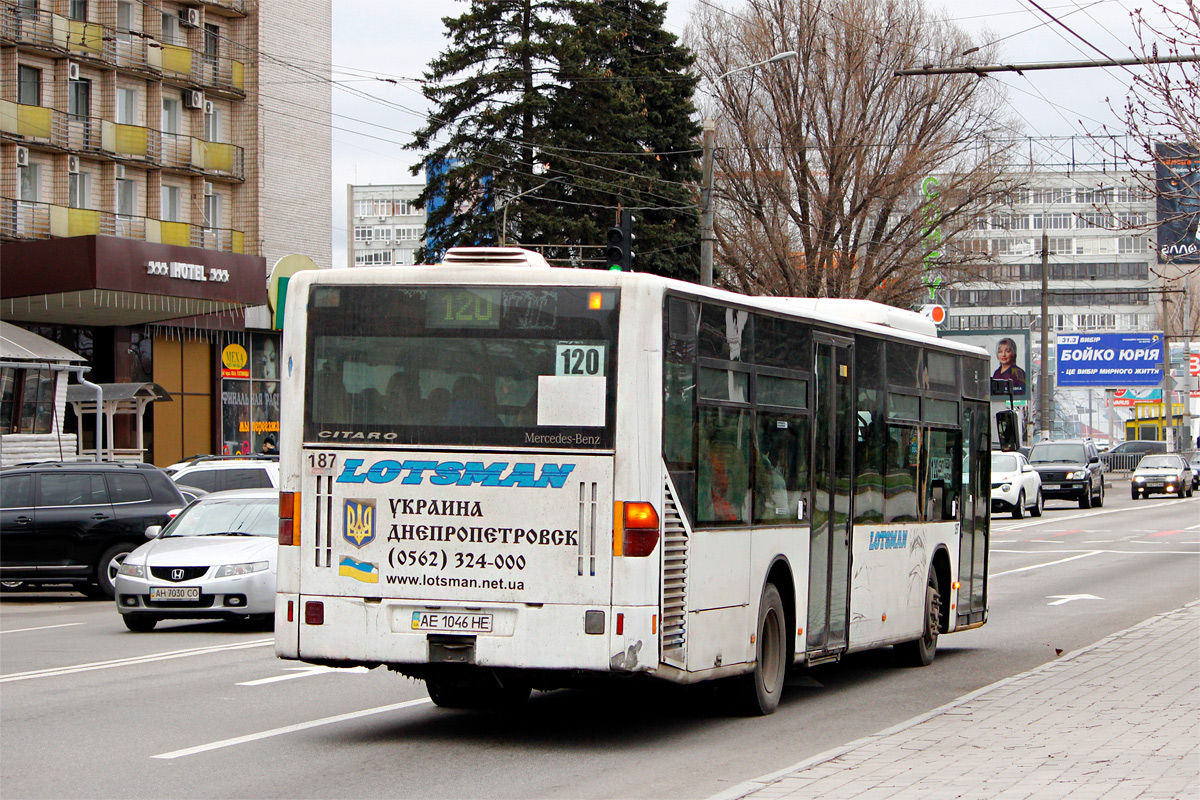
[{"x": 445, "y": 473}]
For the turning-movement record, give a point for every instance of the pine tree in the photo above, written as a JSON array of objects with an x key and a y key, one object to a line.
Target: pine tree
[
  {"x": 624, "y": 134},
  {"x": 492, "y": 91}
]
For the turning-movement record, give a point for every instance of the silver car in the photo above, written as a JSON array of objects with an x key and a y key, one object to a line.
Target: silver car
[
  {"x": 215, "y": 560},
  {"x": 1164, "y": 473}
]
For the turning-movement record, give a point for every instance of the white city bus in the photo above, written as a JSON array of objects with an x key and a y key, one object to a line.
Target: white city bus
[{"x": 499, "y": 476}]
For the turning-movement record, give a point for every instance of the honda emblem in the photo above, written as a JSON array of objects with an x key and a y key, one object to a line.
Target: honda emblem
[{"x": 176, "y": 574}]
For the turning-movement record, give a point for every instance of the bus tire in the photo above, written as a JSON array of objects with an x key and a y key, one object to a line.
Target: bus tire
[
  {"x": 476, "y": 694},
  {"x": 920, "y": 652},
  {"x": 757, "y": 693}
]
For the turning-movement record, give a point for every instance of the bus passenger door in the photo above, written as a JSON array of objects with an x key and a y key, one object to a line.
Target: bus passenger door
[
  {"x": 832, "y": 517},
  {"x": 973, "y": 533}
]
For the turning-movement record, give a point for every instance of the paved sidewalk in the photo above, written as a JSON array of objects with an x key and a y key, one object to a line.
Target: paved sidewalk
[{"x": 1119, "y": 719}]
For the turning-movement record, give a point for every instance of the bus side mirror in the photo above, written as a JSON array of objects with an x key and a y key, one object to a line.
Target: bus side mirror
[{"x": 1008, "y": 429}]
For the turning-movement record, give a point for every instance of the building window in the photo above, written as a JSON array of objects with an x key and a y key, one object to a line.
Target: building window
[
  {"x": 127, "y": 106},
  {"x": 1058, "y": 222},
  {"x": 171, "y": 210},
  {"x": 79, "y": 186},
  {"x": 212, "y": 210},
  {"x": 125, "y": 20},
  {"x": 362, "y": 233},
  {"x": 373, "y": 258},
  {"x": 1131, "y": 244},
  {"x": 78, "y": 10},
  {"x": 171, "y": 114},
  {"x": 29, "y": 183},
  {"x": 409, "y": 233},
  {"x": 29, "y": 86},
  {"x": 383, "y": 234},
  {"x": 212, "y": 125},
  {"x": 27, "y": 9},
  {"x": 26, "y": 400},
  {"x": 172, "y": 30},
  {"x": 1061, "y": 246},
  {"x": 126, "y": 197}
]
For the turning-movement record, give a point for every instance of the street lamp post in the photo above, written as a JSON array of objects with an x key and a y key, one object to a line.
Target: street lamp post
[
  {"x": 504, "y": 208},
  {"x": 709, "y": 141}
]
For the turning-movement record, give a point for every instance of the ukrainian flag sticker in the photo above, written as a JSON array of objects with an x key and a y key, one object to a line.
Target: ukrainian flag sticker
[{"x": 363, "y": 571}]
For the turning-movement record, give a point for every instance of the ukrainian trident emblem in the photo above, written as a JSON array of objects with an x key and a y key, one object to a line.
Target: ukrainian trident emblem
[{"x": 360, "y": 522}]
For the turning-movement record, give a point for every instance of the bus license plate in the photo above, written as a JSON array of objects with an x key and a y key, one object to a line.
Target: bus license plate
[
  {"x": 456, "y": 623},
  {"x": 174, "y": 592}
]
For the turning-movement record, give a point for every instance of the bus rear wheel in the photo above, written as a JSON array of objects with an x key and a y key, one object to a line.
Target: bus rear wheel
[
  {"x": 920, "y": 652},
  {"x": 757, "y": 694},
  {"x": 476, "y": 693}
]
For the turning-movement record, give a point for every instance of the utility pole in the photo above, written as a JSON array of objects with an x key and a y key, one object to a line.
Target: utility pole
[
  {"x": 1167, "y": 420},
  {"x": 708, "y": 139},
  {"x": 1047, "y": 388}
]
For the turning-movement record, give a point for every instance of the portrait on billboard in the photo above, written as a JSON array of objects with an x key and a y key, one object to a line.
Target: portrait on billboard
[
  {"x": 1008, "y": 366},
  {"x": 1009, "y": 357},
  {"x": 1177, "y": 184}
]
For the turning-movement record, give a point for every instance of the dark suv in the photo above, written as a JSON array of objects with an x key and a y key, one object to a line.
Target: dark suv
[
  {"x": 76, "y": 522},
  {"x": 1070, "y": 470}
]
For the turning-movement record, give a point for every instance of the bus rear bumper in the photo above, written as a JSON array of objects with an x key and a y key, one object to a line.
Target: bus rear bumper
[{"x": 371, "y": 631}]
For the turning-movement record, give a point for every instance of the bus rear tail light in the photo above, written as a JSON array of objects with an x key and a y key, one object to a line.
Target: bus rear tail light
[
  {"x": 635, "y": 529},
  {"x": 289, "y": 507}
]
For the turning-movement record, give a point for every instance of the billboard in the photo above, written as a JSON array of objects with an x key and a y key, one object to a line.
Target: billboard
[
  {"x": 1177, "y": 184},
  {"x": 1109, "y": 360},
  {"x": 1009, "y": 350}
]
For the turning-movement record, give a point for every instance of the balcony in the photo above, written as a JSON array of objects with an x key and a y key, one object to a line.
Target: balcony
[
  {"x": 211, "y": 72},
  {"x": 213, "y": 158},
  {"x": 133, "y": 50},
  {"x": 24, "y": 220},
  {"x": 34, "y": 123},
  {"x": 35, "y": 27}
]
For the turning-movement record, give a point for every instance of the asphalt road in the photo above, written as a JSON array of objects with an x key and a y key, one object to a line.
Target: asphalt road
[{"x": 88, "y": 709}]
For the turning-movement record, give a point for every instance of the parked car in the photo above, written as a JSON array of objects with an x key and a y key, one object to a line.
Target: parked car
[
  {"x": 1194, "y": 463},
  {"x": 74, "y": 523},
  {"x": 1070, "y": 470},
  {"x": 221, "y": 473},
  {"x": 1126, "y": 455},
  {"x": 1165, "y": 473},
  {"x": 216, "y": 560},
  {"x": 1016, "y": 486}
]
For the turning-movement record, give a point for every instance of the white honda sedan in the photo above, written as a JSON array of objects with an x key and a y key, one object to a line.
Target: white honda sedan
[
  {"x": 215, "y": 560},
  {"x": 1016, "y": 486}
]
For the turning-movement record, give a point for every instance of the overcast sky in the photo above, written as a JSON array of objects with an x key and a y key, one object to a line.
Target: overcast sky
[{"x": 381, "y": 48}]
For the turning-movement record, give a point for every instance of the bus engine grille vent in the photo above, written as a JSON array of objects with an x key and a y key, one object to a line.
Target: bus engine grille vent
[
  {"x": 323, "y": 517},
  {"x": 674, "y": 585}
]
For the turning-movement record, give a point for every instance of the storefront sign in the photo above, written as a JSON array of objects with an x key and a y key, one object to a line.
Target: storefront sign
[{"x": 234, "y": 362}]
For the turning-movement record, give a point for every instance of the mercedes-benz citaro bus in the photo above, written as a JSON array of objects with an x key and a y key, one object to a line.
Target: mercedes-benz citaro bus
[{"x": 498, "y": 475}]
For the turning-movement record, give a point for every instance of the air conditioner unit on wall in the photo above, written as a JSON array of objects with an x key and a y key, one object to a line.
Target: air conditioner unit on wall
[
  {"x": 72, "y": 71},
  {"x": 192, "y": 18},
  {"x": 22, "y": 156},
  {"x": 193, "y": 98},
  {"x": 73, "y": 164},
  {"x": 119, "y": 172},
  {"x": 208, "y": 106},
  {"x": 208, "y": 189}
]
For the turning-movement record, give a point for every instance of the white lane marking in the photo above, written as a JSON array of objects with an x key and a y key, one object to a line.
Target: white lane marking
[
  {"x": 302, "y": 672},
  {"x": 1063, "y": 599},
  {"x": 1048, "y": 563},
  {"x": 44, "y": 627},
  {"x": 300, "y": 726},
  {"x": 129, "y": 662}
]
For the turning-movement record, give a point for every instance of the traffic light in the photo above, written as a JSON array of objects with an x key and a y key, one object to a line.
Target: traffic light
[{"x": 618, "y": 252}]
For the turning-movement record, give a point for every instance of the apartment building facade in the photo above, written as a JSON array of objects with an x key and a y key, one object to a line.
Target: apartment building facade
[
  {"x": 156, "y": 159},
  {"x": 1104, "y": 276},
  {"x": 384, "y": 227}
]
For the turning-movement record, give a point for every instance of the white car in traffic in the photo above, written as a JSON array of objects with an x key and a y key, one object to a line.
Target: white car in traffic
[{"x": 1016, "y": 486}]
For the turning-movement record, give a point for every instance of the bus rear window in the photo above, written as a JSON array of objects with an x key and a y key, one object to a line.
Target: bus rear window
[{"x": 461, "y": 365}]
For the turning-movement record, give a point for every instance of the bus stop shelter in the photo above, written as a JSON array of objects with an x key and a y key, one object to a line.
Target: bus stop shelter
[{"x": 117, "y": 398}]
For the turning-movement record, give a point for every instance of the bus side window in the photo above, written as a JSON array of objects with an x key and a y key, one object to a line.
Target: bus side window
[
  {"x": 900, "y": 481},
  {"x": 724, "y": 475}
]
